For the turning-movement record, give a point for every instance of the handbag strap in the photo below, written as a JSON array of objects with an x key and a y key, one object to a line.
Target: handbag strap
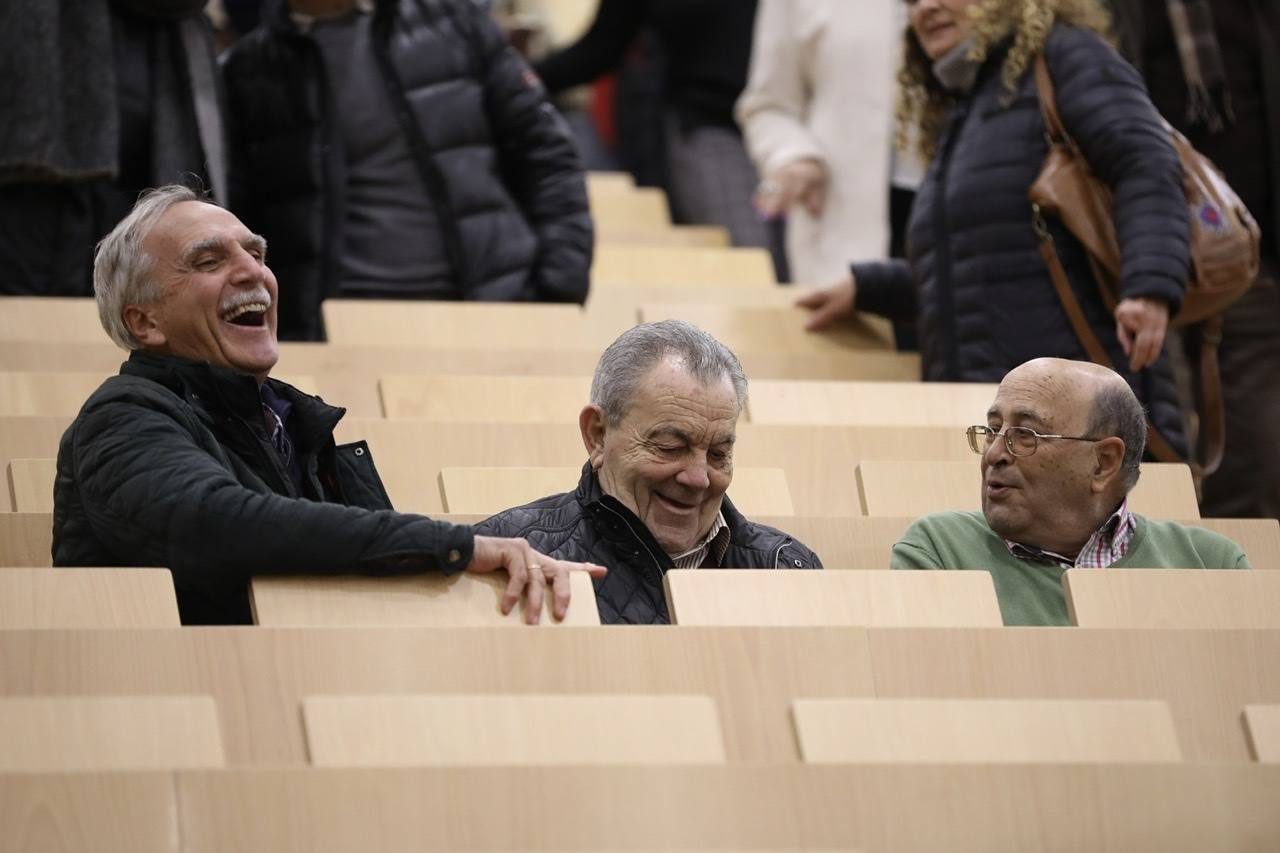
[
  {"x": 1156, "y": 443},
  {"x": 1056, "y": 130}
]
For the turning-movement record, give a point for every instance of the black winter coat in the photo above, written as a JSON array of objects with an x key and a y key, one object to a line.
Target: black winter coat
[
  {"x": 169, "y": 464},
  {"x": 587, "y": 525},
  {"x": 496, "y": 159},
  {"x": 974, "y": 274}
]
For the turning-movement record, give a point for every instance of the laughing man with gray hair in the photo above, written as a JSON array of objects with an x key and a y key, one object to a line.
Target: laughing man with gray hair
[
  {"x": 194, "y": 459},
  {"x": 659, "y": 433}
]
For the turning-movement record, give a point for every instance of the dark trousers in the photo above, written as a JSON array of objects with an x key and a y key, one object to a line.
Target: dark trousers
[
  {"x": 1248, "y": 483},
  {"x": 48, "y": 233}
]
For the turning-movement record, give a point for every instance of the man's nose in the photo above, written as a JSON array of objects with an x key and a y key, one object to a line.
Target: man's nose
[
  {"x": 245, "y": 267},
  {"x": 997, "y": 451},
  {"x": 694, "y": 475}
]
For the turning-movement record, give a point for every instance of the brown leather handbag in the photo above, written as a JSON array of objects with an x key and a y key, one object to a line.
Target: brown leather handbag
[{"x": 1224, "y": 253}]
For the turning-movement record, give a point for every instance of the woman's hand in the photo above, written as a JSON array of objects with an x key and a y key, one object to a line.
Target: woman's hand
[
  {"x": 1141, "y": 324},
  {"x": 830, "y": 303},
  {"x": 802, "y": 182}
]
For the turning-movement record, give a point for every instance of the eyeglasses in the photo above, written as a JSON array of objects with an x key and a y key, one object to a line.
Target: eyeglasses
[{"x": 1021, "y": 441}]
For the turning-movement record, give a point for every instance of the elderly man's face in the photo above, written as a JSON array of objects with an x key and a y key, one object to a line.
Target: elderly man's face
[
  {"x": 218, "y": 301},
  {"x": 1046, "y": 498},
  {"x": 670, "y": 459}
]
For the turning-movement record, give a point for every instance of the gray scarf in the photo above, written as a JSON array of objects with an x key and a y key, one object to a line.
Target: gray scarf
[
  {"x": 61, "y": 117},
  {"x": 956, "y": 71}
]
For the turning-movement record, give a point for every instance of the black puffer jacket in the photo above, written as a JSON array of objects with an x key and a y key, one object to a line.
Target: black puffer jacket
[
  {"x": 589, "y": 526},
  {"x": 496, "y": 159},
  {"x": 169, "y": 464},
  {"x": 974, "y": 273}
]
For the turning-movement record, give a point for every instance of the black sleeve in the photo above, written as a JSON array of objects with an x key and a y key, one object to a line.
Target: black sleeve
[
  {"x": 1106, "y": 110},
  {"x": 885, "y": 288},
  {"x": 599, "y": 50},
  {"x": 154, "y": 497},
  {"x": 540, "y": 166}
]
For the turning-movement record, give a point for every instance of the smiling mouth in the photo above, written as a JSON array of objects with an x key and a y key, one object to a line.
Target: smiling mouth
[
  {"x": 674, "y": 505},
  {"x": 253, "y": 315}
]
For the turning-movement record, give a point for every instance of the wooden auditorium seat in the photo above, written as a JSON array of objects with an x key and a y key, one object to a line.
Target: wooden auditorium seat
[
  {"x": 1172, "y": 598},
  {"x": 755, "y": 491},
  {"x": 775, "y": 328},
  {"x": 1263, "y": 725},
  {"x": 485, "y": 730},
  {"x": 30, "y": 484},
  {"x": 52, "y": 394},
  {"x": 916, "y": 404},
  {"x": 26, "y": 539},
  {"x": 631, "y": 265},
  {"x": 42, "y": 734},
  {"x": 637, "y": 206},
  {"x": 521, "y": 399},
  {"x": 87, "y": 598},
  {"x": 984, "y": 731},
  {"x": 797, "y": 598},
  {"x": 461, "y": 325},
  {"x": 1165, "y": 489},
  {"x": 69, "y": 319},
  {"x": 424, "y": 600}
]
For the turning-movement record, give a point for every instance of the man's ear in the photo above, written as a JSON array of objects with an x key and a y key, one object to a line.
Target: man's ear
[
  {"x": 591, "y": 423},
  {"x": 1109, "y": 457},
  {"x": 142, "y": 322}
]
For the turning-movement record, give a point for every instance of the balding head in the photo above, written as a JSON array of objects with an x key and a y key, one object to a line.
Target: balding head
[
  {"x": 1078, "y": 387},
  {"x": 1054, "y": 489}
]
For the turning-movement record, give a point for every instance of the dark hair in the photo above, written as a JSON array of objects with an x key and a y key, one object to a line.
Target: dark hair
[{"x": 1117, "y": 412}]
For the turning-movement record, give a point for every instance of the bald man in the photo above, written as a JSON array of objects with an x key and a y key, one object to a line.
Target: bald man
[{"x": 1060, "y": 453}]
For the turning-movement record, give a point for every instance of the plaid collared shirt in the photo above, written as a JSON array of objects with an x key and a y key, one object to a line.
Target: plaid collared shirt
[
  {"x": 1108, "y": 544},
  {"x": 712, "y": 550}
]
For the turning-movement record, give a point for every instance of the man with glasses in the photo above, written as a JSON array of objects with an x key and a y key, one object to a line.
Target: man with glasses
[{"x": 1060, "y": 453}]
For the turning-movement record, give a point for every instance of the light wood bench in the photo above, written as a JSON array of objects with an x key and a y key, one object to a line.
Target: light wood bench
[
  {"x": 426, "y": 600},
  {"x": 87, "y": 598},
  {"x": 1165, "y": 489},
  {"x": 520, "y": 399},
  {"x": 26, "y": 539},
  {"x": 630, "y": 265},
  {"x": 916, "y": 404},
  {"x": 480, "y": 730},
  {"x": 800, "y": 597},
  {"x": 462, "y": 325},
  {"x": 122, "y": 812},
  {"x": 776, "y": 328},
  {"x": 1172, "y": 598},
  {"x": 984, "y": 731},
  {"x": 1005, "y": 808},
  {"x": 41, "y": 734},
  {"x": 755, "y": 491},
  {"x": 1263, "y": 725},
  {"x": 51, "y": 394},
  {"x": 31, "y": 484},
  {"x": 70, "y": 319}
]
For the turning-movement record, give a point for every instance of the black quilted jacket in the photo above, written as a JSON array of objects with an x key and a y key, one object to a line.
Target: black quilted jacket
[
  {"x": 496, "y": 159},
  {"x": 974, "y": 274},
  {"x": 587, "y": 525},
  {"x": 169, "y": 464}
]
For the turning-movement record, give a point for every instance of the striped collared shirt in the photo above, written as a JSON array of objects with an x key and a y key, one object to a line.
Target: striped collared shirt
[
  {"x": 712, "y": 550},
  {"x": 1108, "y": 544}
]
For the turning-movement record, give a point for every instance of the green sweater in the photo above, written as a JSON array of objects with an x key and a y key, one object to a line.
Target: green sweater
[{"x": 1030, "y": 593}]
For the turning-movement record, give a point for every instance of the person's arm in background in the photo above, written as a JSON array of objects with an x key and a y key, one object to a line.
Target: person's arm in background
[
  {"x": 600, "y": 49},
  {"x": 1105, "y": 108},
  {"x": 771, "y": 112},
  {"x": 539, "y": 164},
  {"x": 876, "y": 287}
]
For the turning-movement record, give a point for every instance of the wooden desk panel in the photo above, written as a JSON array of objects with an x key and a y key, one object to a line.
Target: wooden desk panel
[
  {"x": 984, "y": 731},
  {"x": 1262, "y": 722},
  {"x": 31, "y": 484},
  {"x": 797, "y": 597},
  {"x": 513, "y": 399},
  {"x": 632, "y": 265},
  {"x": 428, "y": 600},
  {"x": 916, "y": 404},
  {"x": 1172, "y": 598},
  {"x": 475, "y": 730},
  {"x": 87, "y": 598},
  {"x": 103, "y": 812},
  {"x": 26, "y": 539}
]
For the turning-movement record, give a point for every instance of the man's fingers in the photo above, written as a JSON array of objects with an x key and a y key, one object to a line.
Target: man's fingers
[
  {"x": 535, "y": 593},
  {"x": 822, "y": 316},
  {"x": 812, "y": 299},
  {"x": 518, "y": 576},
  {"x": 1125, "y": 336},
  {"x": 591, "y": 569},
  {"x": 560, "y": 594}
]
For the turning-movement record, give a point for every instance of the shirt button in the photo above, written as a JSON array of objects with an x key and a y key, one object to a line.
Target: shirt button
[
  {"x": 454, "y": 555},
  {"x": 359, "y": 451}
]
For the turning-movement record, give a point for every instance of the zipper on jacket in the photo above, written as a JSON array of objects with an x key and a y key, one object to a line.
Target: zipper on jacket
[
  {"x": 657, "y": 564},
  {"x": 942, "y": 240}
]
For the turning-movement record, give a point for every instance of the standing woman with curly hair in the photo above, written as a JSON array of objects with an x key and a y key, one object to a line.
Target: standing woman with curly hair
[{"x": 974, "y": 276}]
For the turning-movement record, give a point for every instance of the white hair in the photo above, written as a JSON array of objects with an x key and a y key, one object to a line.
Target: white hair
[{"x": 122, "y": 270}]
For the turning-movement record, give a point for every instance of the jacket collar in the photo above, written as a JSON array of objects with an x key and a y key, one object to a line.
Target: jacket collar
[
  {"x": 212, "y": 390},
  {"x": 590, "y": 495}
]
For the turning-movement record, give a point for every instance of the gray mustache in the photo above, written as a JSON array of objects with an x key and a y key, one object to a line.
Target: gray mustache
[{"x": 247, "y": 297}]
